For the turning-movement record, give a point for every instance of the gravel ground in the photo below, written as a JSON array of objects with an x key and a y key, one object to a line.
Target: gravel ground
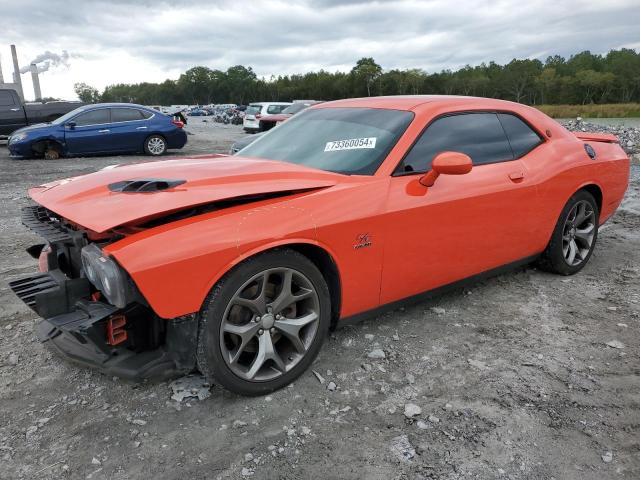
[{"x": 524, "y": 376}]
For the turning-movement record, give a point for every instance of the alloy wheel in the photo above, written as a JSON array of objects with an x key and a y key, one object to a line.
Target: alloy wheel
[
  {"x": 156, "y": 145},
  {"x": 578, "y": 233},
  {"x": 269, "y": 324}
]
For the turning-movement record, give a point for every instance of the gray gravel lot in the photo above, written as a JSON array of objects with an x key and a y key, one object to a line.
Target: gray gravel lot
[{"x": 524, "y": 376}]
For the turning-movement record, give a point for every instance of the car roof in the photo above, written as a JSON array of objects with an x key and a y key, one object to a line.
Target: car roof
[
  {"x": 411, "y": 102},
  {"x": 112, "y": 105}
]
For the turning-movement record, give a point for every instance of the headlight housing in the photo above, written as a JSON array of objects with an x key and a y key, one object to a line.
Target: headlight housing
[
  {"x": 18, "y": 137},
  {"x": 106, "y": 275}
]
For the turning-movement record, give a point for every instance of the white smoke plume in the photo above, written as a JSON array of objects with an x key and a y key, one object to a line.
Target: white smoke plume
[{"x": 48, "y": 59}]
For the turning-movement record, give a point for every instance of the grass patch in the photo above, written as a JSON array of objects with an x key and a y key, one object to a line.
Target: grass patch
[{"x": 609, "y": 110}]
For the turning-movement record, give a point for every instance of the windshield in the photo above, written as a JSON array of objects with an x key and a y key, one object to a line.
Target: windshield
[
  {"x": 353, "y": 141},
  {"x": 68, "y": 116}
]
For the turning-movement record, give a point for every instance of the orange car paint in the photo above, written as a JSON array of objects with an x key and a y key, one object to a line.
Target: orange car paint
[{"x": 417, "y": 238}]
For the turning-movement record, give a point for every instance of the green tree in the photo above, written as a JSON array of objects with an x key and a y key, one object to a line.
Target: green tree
[
  {"x": 86, "y": 93},
  {"x": 366, "y": 72}
]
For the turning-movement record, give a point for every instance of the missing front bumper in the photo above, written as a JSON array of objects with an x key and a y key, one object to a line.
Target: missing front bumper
[{"x": 76, "y": 328}]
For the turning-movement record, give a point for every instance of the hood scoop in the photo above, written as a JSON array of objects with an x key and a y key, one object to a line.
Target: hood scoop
[{"x": 145, "y": 185}]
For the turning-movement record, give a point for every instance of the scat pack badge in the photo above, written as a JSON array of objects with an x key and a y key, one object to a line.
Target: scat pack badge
[{"x": 362, "y": 240}]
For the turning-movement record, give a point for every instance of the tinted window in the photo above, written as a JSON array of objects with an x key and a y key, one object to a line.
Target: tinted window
[
  {"x": 343, "y": 140},
  {"x": 478, "y": 135},
  {"x": 125, "y": 114},
  {"x": 6, "y": 98},
  {"x": 273, "y": 109},
  {"x": 253, "y": 109},
  {"x": 95, "y": 117},
  {"x": 521, "y": 137}
]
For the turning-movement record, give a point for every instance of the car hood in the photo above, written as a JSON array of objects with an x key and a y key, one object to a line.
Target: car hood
[
  {"x": 31, "y": 128},
  {"x": 115, "y": 196}
]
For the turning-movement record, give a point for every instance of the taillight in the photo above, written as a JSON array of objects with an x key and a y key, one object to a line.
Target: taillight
[
  {"x": 257, "y": 115},
  {"x": 178, "y": 123}
]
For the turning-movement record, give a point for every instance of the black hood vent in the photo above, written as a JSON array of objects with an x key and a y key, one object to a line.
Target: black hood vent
[{"x": 145, "y": 185}]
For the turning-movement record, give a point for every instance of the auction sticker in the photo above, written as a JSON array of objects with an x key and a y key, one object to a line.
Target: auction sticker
[{"x": 350, "y": 144}]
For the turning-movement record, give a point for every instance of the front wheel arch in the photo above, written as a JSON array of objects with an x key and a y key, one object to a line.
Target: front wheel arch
[
  {"x": 319, "y": 255},
  {"x": 40, "y": 147}
]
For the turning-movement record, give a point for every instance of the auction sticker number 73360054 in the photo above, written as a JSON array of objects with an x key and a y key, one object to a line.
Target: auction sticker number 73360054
[{"x": 350, "y": 144}]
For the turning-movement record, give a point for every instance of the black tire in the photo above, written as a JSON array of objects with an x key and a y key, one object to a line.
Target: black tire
[
  {"x": 210, "y": 353},
  {"x": 155, "y": 145},
  {"x": 553, "y": 259}
]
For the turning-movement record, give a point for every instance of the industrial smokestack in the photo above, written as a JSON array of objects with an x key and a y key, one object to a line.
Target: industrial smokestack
[
  {"x": 36, "y": 82},
  {"x": 16, "y": 72}
]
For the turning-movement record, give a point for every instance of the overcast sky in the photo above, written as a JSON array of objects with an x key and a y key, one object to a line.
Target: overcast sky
[{"x": 118, "y": 41}]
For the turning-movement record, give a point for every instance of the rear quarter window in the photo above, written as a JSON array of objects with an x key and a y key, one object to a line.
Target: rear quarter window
[{"x": 521, "y": 136}]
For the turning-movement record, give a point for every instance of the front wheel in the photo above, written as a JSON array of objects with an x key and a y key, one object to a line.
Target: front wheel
[
  {"x": 155, "y": 145},
  {"x": 574, "y": 236},
  {"x": 264, "y": 323}
]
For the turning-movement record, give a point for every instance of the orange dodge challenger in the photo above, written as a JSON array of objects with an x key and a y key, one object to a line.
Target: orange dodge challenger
[{"x": 239, "y": 265}]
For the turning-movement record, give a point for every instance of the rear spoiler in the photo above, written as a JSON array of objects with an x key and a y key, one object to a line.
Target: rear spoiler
[{"x": 597, "y": 137}]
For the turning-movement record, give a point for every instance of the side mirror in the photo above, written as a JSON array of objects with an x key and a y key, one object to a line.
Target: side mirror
[
  {"x": 71, "y": 125},
  {"x": 447, "y": 163}
]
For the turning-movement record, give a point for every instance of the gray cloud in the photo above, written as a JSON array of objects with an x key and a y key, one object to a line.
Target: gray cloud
[{"x": 278, "y": 37}]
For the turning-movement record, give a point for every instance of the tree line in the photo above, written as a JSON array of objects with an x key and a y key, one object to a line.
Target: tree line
[{"x": 584, "y": 78}]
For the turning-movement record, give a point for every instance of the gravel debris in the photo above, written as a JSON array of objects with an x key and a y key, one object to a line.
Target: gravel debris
[
  {"x": 412, "y": 410},
  {"x": 402, "y": 448},
  {"x": 377, "y": 354}
]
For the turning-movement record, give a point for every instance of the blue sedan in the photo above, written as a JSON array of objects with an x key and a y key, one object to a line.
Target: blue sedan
[{"x": 103, "y": 128}]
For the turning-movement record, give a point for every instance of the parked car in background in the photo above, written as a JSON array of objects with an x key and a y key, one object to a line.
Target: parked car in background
[
  {"x": 257, "y": 110},
  {"x": 239, "y": 265},
  {"x": 270, "y": 121},
  {"x": 199, "y": 112},
  {"x": 15, "y": 114},
  {"x": 98, "y": 129}
]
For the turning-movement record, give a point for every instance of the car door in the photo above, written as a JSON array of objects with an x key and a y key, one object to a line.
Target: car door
[
  {"x": 463, "y": 225},
  {"x": 129, "y": 129},
  {"x": 11, "y": 113},
  {"x": 89, "y": 132}
]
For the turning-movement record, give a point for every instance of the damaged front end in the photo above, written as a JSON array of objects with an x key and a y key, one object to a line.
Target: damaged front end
[{"x": 93, "y": 312}]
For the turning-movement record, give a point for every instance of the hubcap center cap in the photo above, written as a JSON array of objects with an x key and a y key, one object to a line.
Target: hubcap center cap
[{"x": 268, "y": 320}]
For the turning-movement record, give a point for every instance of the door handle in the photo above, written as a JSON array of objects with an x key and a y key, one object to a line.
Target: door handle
[
  {"x": 515, "y": 176},
  {"x": 104, "y": 131},
  {"x": 15, "y": 109},
  {"x": 141, "y": 128}
]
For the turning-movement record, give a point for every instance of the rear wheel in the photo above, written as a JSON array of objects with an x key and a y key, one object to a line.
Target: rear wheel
[
  {"x": 264, "y": 323},
  {"x": 155, "y": 145},
  {"x": 574, "y": 236}
]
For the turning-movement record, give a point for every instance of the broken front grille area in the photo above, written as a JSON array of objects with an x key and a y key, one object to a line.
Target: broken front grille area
[{"x": 46, "y": 224}]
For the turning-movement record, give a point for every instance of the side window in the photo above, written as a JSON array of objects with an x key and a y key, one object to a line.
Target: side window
[
  {"x": 6, "y": 98},
  {"x": 478, "y": 135},
  {"x": 95, "y": 117},
  {"x": 273, "y": 109},
  {"x": 145, "y": 114},
  {"x": 521, "y": 137},
  {"x": 125, "y": 115}
]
